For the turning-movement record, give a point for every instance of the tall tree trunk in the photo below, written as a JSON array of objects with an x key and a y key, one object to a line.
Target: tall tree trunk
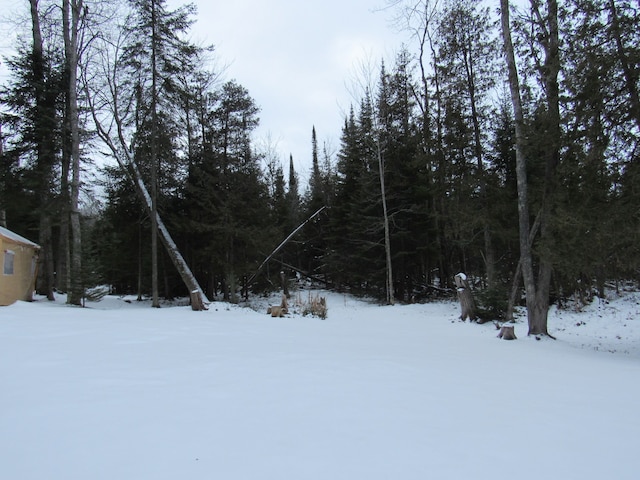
[
  {"x": 550, "y": 71},
  {"x": 521, "y": 166},
  {"x": 71, "y": 30},
  {"x": 45, "y": 119},
  {"x": 537, "y": 293},
  {"x": 154, "y": 160},
  {"x": 387, "y": 236},
  {"x": 63, "y": 274}
]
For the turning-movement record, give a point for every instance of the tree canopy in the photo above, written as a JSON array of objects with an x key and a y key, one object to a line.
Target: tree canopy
[{"x": 424, "y": 184}]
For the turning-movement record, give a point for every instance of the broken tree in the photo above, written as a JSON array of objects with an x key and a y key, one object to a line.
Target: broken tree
[
  {"x": 282, "y": 244},
  {"x": 465, "y": 297}
]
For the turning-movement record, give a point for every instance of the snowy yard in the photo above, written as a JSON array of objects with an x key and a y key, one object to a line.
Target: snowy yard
[{"x": 121, "y": 391}]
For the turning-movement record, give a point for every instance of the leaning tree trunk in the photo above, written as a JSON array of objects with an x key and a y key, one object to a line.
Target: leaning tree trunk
[
  {"x": 172, "y": 249},
  {"x": 127, "y": 164},
  {"x": 282, "y": 244}
]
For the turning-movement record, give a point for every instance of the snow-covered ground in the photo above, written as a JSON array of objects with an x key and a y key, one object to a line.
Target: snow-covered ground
[{"x": 123, "y": 391}]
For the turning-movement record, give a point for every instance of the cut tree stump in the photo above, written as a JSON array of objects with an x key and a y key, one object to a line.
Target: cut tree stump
[
  {"x": 465, "y": 298},
  {"x": 197, "y": 303},
  {"x": 507, "y": 332}
]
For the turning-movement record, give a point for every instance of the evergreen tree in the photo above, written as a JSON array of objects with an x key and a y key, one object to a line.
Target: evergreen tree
[
  {"x": 156, "y": 54},
  {"x": 314, "y": 234},
  {"x": 228, "y": 198},
  {"x": 356, "y": 251},
  {"x": 467, "y": 61},
  {"x": 119, "y": 236},
  {"x": 34, "y": 100},
  {"x": 404, "y": 173},
  {"x": 293, "y": 197}
]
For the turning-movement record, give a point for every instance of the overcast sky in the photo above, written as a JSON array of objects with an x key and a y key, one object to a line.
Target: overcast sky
[{"x": 298, "y": 60}]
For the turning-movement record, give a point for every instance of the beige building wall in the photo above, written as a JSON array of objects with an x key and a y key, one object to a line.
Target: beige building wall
[{"x": 18, "y": 263}]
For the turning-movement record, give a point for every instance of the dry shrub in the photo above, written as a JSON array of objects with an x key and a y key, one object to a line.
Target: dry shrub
[{"x": 316, "y": 306}]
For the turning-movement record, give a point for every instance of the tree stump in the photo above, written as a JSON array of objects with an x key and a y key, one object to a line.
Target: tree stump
[
  {"x": 197, "y": 304},
  {"x": 465, "y": 298},
  {"x": 507, "y": 332}
]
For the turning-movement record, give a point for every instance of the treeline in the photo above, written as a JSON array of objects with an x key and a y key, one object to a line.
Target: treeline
[{"x": 424, "y": 183}]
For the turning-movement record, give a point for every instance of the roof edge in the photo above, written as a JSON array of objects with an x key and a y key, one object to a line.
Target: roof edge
[{"x": 8, "y": 234}]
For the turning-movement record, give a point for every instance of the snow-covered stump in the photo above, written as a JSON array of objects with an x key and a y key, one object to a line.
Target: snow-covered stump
[
  {"x": 465, "y": 298},
  {"x": 507, "y": 332}
]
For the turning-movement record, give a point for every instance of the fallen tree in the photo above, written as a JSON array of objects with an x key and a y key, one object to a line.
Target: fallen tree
[{"x": 282, "y": 244}]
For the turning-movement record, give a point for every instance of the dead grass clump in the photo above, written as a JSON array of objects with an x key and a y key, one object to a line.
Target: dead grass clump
[{"x": 316, "y": 306}]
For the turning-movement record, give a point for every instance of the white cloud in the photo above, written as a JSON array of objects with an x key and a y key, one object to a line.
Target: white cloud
[{"x": 297, "y": 60}]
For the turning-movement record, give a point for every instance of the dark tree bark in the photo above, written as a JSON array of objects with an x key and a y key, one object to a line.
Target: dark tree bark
[
  {"x": 465, "y": 297},
  {"x": 71, "y": 26},
  {"x": 537, "y": 292},
  {"x": 154, "y": 159},
  {"x": 44, "y": 128}
]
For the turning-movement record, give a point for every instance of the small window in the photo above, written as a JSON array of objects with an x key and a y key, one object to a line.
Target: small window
[{"x": 8, "y": 262}]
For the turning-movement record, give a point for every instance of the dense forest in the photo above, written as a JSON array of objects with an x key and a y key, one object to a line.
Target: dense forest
[{"x": 499, "y": 141}]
